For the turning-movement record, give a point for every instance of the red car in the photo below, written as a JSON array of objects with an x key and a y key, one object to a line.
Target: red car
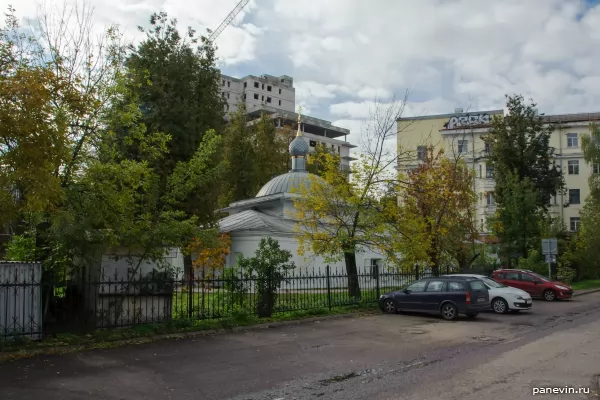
[{"x": 534, "y": 284}]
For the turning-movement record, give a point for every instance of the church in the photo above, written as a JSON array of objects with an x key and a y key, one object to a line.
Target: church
[{"x": 270, "y": 213}]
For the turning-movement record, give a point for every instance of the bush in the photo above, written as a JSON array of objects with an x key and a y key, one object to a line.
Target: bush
[{"x": 534, "y": 262}]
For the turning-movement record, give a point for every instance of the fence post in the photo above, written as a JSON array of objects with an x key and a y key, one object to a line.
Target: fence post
[
  {"x": 328, "y": 287},
  {"x": 447, "y": 269},
  {"x": 416, "y": 271},
  {"x": 377, "y": 288},
  {"x": 190, "y": 294}
]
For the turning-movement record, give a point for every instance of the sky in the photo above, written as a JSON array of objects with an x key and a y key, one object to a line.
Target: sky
[{"x": 343, "y": 54}]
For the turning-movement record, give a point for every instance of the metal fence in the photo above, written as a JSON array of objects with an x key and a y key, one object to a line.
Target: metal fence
[{"x": 111, "y": 301}]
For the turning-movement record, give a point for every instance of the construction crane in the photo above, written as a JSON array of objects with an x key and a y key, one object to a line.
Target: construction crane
[{"x": 227, "y": 21}]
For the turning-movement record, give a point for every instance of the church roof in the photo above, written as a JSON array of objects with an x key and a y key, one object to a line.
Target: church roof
[
  {"x": 286, "y": 183},
  {"x": 252, "y": 220}
]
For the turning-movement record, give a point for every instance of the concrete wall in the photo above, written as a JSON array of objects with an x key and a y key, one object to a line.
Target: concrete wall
[{"x": 258, "y": 91}]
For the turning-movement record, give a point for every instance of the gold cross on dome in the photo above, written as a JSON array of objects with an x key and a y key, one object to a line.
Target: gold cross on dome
[{"x": 299, "y": 113}]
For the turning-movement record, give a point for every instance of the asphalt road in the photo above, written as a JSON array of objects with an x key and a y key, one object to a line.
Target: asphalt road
[{"x": 375, "y": 357}]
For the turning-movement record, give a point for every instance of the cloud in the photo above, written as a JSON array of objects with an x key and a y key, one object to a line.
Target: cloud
[{"x": 345, "y": 53}]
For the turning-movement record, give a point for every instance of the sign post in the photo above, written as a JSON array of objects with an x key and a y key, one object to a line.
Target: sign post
[{"x": 550, "y": 250}]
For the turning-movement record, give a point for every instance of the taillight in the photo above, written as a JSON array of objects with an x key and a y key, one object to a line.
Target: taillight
[{"x": 468, "y": 298}]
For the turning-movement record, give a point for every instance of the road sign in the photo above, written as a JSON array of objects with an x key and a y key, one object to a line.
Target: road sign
[
  {"x": 549, "y": 246},
  {"x": 550, "y": 258}
]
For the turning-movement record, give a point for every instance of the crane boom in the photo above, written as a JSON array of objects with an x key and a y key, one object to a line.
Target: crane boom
[{"x": 228, "y": 20}]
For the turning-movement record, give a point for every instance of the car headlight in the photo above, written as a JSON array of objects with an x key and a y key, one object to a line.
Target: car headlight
[
  {"x": 561, "y": 287},
  {"x": 381, "y": 297}
]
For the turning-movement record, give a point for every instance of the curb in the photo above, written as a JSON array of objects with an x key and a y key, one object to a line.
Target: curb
[
  {"x": 584, "y": 292},
  {"x": 168, "y": 336}
]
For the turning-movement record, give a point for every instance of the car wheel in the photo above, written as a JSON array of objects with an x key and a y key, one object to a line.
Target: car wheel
[
  {"x": 499, "y": 305},
  {"x": 389, "y": 306},
  {"x": 472, "y": 315},
  {"x": 449, "y": 312},
  {"x": 549, "y": 295}
]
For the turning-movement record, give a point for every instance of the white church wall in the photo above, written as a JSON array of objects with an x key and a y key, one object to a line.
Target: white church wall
[{"x": 314, "y": 268}]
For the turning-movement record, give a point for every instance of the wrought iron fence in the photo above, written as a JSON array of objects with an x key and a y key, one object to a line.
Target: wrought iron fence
[{"x": 108, "y": 301}]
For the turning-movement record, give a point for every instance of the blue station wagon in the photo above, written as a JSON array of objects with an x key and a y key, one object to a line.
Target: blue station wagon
[{"x": 448, "y": 296}]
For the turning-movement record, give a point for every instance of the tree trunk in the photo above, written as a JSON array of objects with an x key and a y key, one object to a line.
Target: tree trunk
[{"x": 352, "y": 272}]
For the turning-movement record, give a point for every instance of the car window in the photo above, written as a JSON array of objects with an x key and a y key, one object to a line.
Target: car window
[
  {"x": 541, "y": 278},
  {"x": 435, "y": 286},
  {"x": 512, "y": 276},
  {"x": 477, "y": 286},
  {"x": 417, "y": 286},
  {"x": 527, "y": 278},
  {"x": 501, "y": 276},
  {"x": 456, "y": 287},
  {"x": 492, "y": 283}
]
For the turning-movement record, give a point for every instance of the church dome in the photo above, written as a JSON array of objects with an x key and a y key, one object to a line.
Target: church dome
[
  {"x": 287, "y": 183},
  {"x": 299, "y": 147}
]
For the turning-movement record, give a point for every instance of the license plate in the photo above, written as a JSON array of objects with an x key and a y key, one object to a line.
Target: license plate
[{"x": 481, "y": 300}]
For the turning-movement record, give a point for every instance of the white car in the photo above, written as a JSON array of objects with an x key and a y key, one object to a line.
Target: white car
[{"x": 504, "y": 298}]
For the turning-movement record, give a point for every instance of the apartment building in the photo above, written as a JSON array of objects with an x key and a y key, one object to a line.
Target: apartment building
[
  {"x": 275, "y": 96},
  {"x": 255, "y": 91},
  {"x": 461, "y": 134}
]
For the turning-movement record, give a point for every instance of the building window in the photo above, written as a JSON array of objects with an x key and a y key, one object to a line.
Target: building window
[
  {"x": 263, "y": 86},
  {"x": 245, "y": 85},
  {"x": 489, "y": 171},
  {"x": 574, "y": 196},
  {"x": 228, "y": 83},
  {"x": 256, "y": 85},
  {"x": 596, "y": 168},
  {"x": 339, "y": 149},
  {"x": 268, "y": 88},
  {"x": 488, "y": 147},
  {"x": 312, "y": 143},
  {"x": 279, "y": 91},
  {"x": 480, "y": 173},
  {"x": 490, "y": 198},
  {"x": 255, "y": 96},
  {"x": 268, "y": 99},
  {"x": 421, "y": 150},
  {"x": 279, "y": 102},
  {"x": 244, "y": 96},
  {"x": 573, "y": 167},
  {"x": 223, "y": 84},
  {"x": 463, "y": 146},
  {"x": 262, "y": 98},
  {"x": 572, "y": 140},
  {"x": 575, "y": 222}
]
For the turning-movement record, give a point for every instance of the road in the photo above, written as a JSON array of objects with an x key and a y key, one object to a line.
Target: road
[{"x": 376, "y": 357}]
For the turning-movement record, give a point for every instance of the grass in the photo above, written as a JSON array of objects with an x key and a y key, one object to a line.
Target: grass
[
  {"x": 587, "y": 284},
  {"x": 22, "y": 347}
]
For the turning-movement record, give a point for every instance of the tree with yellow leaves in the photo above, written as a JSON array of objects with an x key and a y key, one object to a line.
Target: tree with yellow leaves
[
  {"x": 337, "y": 214},
  {"x": 437, "y": 202}
]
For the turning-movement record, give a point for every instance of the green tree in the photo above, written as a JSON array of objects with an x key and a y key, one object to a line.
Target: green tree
[
  {"x": 271, "y": 157},
  {"x": 520, "y": 147},
  {"x": 526, "y": 178},
  {"x": 239, "y": 152},
  {"x": 268, "y": 270},
  {"x": 315, "y": 160}
]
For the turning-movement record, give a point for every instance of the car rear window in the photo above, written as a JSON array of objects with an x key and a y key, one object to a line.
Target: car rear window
[
  {"x": 456, "y": 287},
  {"x": 477, "y": 286}
]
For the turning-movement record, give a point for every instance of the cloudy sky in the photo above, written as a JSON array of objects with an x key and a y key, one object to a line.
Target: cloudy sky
[{"x": 447, "y": 53}]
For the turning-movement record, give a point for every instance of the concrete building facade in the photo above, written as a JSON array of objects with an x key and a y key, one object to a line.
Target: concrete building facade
[
  {"x": 460, "y": 134},
  {"x": 276, "y": 97}
]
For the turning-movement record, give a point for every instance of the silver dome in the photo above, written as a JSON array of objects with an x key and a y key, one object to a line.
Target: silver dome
[
  {"x": 286, "y": 183},
  {"x": 299, "y": 147}
]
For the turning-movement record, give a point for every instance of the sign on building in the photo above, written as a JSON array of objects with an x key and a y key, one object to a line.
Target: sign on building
[
  {"x": 550, "y": 246},
  {"x": 459, "y": 121}
]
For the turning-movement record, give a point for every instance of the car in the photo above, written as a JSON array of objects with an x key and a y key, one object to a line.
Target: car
[
  {"x": 503, "y": 298},
  {"x": 536, "y": 285},
  {"x": 448, "y": 296}
]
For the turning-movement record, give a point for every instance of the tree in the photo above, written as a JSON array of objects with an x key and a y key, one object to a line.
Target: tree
[
  {"x": 335, "y": 214},
  {"x": 316, "y": 164},
  {"x": 526, "y": 178},
  {"x": 271, "y": 157},
  {"x": 518, "y": 220},
  {"x": 439, "y": 198},
  {"x": 268, "y": 270},
  {"x": 239, "y": 152}
]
